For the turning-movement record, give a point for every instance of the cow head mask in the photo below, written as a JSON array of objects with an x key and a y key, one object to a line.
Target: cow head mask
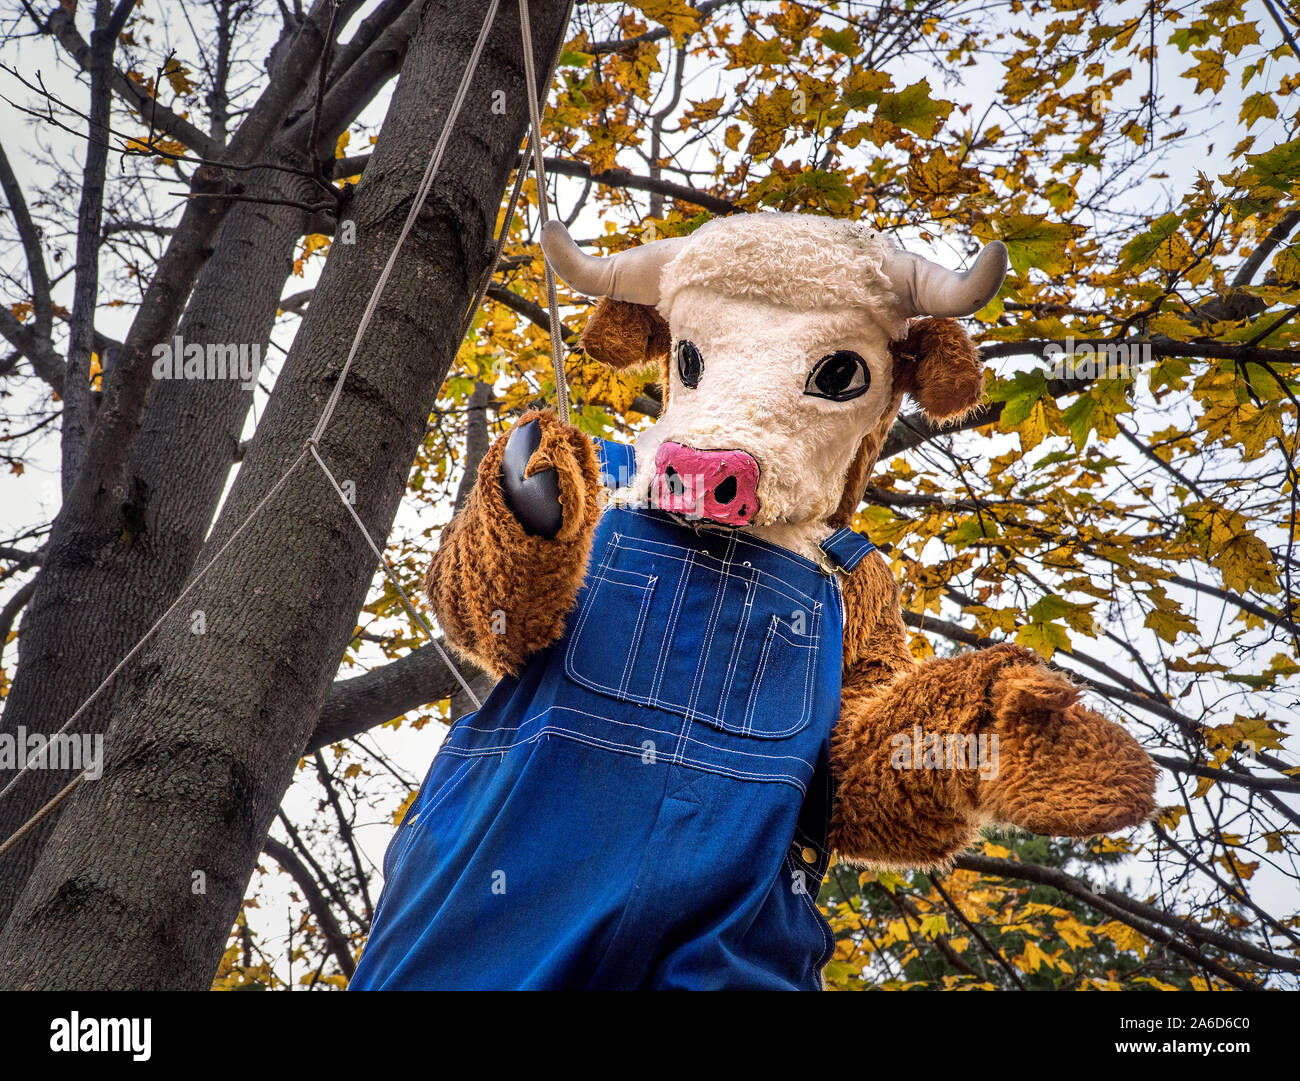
[{"x": 786, "y": 344}]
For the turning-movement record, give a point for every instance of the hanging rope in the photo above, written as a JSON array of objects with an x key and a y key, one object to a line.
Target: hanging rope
[
  {"x": 521, "y": 171},
  {"x": 392, "y": 577},
  {"x": 539, "y": 167},
  {"x": 22, "y": 831},
  {"x": 312, "y": 444}
]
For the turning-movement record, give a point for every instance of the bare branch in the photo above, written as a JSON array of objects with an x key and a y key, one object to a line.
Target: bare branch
[
  {"x": 62, "y": 27},
  {"x": 612, "y": 178},
  {"x": 12, "y": 607},
  {"x": 528, "y": 309},
  {"x": 320, "y": 909},
  {"x": 658, "y": 34},
  {"x": 1147, "y": 919},
  {"x": 29, "y": 235},
  {"x": 476, "y": 439},
  {"x": 360, "y": 703},
  {"x": 1275, "y": 236},
  {"x": 21, "y": 558},
  {"x": 90, "y": 220},
  {"x": 126, "y": 387},
  {"x": 44, "y": 360}
]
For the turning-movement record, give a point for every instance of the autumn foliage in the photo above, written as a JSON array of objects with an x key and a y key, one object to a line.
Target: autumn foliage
[{"x": 1124, "y": 503}]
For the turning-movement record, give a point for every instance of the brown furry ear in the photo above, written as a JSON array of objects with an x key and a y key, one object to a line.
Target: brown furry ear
[
  {"x": 938, "y": 365},
  {"x": 625, "y": 335}
]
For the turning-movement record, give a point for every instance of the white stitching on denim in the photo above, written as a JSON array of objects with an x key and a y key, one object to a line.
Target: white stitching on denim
[
  {"x": 587, "y": 598},
  {"x": 808, "y": 672},
  {"x": 746, "y": 539},
  {"x": 665, "y": 549},
  {"x": 710, "y": 629},
  {"x": 450, "y": 783},
  {"x": 733, "y": 663},
  {"x": 715, "y": 612},
  {"x": 727, "y": 571},
  {"x": 775, "y": 623},
  {"x": 691, "y": 714},
  {"x": 627, "y": 457},
  {"x": 862, "y": 547},
  {"x": 837, "y": 593},
  {"x": 602, "y": 576},
  {"x": 674, "y": 615},
  {"x": 632, "y": 748},
  {"x": 759, "y": 672},
  {"x": 647, "y": 728},
  {"x": 582, "y": 680},
  {"x": 637, "y": 630},
  {"x": 636, "y": 752},
  {"x": 588, "y": 606},
  {"x": 828, "y": 940}
]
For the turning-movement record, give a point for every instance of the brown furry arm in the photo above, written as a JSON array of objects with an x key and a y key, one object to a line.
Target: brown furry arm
[
  {"x": 880, "y": 815},
  {"x": 1055, "y": 768},
  {"x": 911, "y": 817},
  {"x": 501, "y": 594}
]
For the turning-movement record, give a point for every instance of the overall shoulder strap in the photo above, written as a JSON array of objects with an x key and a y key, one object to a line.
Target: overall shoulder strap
[
  {"x": 617, "y": 463},
  {"x": 846, "y": 548}
]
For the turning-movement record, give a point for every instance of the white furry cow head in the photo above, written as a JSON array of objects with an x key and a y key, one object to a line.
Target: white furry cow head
[{"x": 787, "y": 343}]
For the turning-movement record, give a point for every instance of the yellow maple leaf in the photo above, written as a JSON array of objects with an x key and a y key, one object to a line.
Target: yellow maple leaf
[
  {"x": 1073, "y": 933},
  {"x": 679, "y": 17},
  {"x": 179, "y": 76}
]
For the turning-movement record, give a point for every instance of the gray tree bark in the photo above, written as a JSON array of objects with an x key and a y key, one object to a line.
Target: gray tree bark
[
  {"x": 113, "y": 575},
  {"x": 141, "y": 880}
]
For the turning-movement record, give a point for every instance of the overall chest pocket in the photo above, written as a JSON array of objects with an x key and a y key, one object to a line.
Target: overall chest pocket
[
  {"x": 611, "y": 623},
  {"x": 716, "y": 641}
]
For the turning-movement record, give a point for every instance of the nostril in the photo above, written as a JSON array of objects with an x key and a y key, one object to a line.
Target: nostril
[
  {"x": 726, "y": 491},
  {"x": 674, "y": 481}
]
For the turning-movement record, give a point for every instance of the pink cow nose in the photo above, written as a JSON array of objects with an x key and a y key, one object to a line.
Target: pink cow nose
[{"x": 717, "y": 485}]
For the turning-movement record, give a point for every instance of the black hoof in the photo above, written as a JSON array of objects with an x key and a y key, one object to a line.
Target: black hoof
[{"x": 534, "y": 500}]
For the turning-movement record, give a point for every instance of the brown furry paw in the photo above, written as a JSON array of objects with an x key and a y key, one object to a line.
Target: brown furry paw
[
  {"x": 500, "y": 593},
  {"x": 1063, "y": 769}
]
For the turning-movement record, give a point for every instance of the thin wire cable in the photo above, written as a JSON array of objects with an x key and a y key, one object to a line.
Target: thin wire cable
[
  {"x": 426, "y": 184},
  {"x": 539, "y": 167},
  {"x": 421, "y": 194},
  {"x": 486, "y": 280},
  {"x": 417, "y": 204},
  {"x": 22, "y": 831},
  {"x": 392, "y": 577},
  {"x": 162, "y": 618}
]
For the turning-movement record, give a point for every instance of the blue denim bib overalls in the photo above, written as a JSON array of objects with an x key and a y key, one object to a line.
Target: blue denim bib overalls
[{"x": 647, "y": 804}]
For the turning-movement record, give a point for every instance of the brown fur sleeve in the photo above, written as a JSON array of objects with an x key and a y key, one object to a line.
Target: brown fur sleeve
[
  {"x": 1057, "y": 767},
  {"x": 875, "y": 642},
  {"x": 880, "y": 816},
  {"x": 895, "y": 817},
  {"x": 499, "y": 593}
]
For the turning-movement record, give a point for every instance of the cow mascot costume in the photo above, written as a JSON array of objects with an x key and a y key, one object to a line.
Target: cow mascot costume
[{"x": 704, "y": 671}]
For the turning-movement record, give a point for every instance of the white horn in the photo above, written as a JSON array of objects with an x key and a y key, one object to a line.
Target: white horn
[
  {"x": 926, "y": 288},
  {"x": 631, "y": 275}
]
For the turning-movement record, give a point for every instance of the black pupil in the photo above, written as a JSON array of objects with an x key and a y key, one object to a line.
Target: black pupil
[
  {"x": 689, "y": 363},
  {"x": 836, "y": 375}
]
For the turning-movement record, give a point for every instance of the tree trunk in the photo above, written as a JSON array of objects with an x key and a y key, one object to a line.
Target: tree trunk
[
  {"x": 142, "y": 877},
  {"x": 111, "y": 579}
]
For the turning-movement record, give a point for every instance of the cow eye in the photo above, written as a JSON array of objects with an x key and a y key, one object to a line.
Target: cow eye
[
  {"x": 839, "y": 376},
  {"x": 690, "y": 365}
]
